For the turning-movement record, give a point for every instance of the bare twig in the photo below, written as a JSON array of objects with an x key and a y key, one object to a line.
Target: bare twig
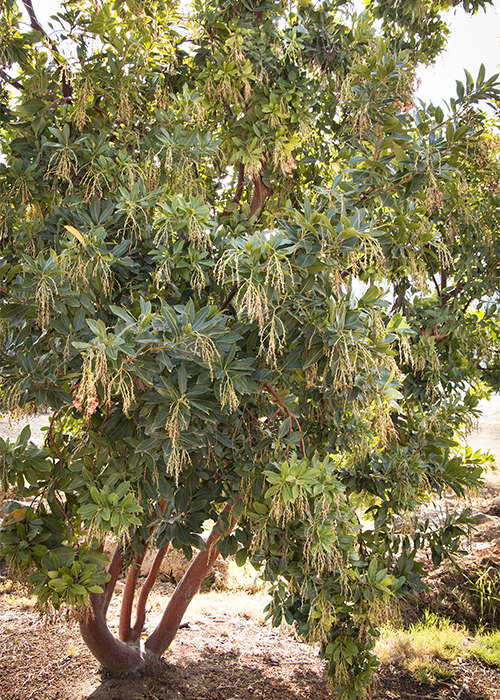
[
  {"x": 11, "y": 81},
  {"x": 287, "y": 411},
  {"x": 67, "y": 88},
  {"x": 229, "y": 297}
]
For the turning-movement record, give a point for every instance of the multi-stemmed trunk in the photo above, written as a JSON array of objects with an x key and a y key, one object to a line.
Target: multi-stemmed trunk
[{"x": 127, "y": 653}]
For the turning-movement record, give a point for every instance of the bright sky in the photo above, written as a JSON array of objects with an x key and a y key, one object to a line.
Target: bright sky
[{"x": 473, "y": 40}]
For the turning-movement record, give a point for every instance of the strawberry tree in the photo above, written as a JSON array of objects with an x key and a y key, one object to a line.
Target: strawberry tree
[{"x": 254, "y": 282}]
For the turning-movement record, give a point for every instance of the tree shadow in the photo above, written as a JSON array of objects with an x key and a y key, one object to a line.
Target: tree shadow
[
  {"x": 226, "y": 675},
  {"x": 219, "y": 675}
]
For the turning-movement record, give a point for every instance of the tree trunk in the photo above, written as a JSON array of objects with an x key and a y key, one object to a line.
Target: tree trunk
[
  {"x": 132, "y": 655},
  {"x": 116, "y": 656}
]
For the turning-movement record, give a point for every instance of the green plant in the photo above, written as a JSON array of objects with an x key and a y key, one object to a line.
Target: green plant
[
  {"x": 426, "y": 648},
  {"x": 429, "y": 647},
  {"x": 72, "y": 650},
  {"x": 432, "y": 671},
  {"x": 486, "y": 648},
  {"x": 486, "y": 589},
  {"x": 255, "y": 283}
]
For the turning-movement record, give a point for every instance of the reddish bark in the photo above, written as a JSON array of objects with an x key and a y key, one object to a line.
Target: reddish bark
[
  {"x": 260, "y": 194},
  {"x": 146, "y": 590},
  {"x": 239, "y": 190},
  {"x": 187, "y": 588},
  {"x": 127, "y": 654},
  {"x": 125, "y": 631},
  {"x": 113, "y": 654},
  {"x": 114, "y": 570}
]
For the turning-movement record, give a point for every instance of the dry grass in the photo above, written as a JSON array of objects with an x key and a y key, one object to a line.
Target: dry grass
[
  {"x": 231, "y": 603},
  {"x": 15, "y": 594},
  {"x": 430, "y": 649},
  {"x": 206, "y": 605},
  {"x": 241, "y": 593},
  {"x": 432, "y": 637}
]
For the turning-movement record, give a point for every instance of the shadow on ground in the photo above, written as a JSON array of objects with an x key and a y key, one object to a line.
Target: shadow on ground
[{"x": 219, "y": 676}]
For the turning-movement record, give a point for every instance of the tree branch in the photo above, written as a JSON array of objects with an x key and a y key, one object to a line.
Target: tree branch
[
  {"x": 454, "y": 293},
  {"x": 187, "y": 588},
  {"x": 33, "y": 19},
  {"x": 229, "y": 297},
  {"x": 67, "y": 88},
  {"x": 146, "y": 590},
  {"x": 239, "y": 186},
  {"x": 114, "y": 569},
  {"x": 260, "y": 194},
  {"x": 125, "y": 631},
  {"x": 11, "y": 81},
  {"x": 287, "y": 411},
  {"x": 112, "y": 653},
  {"x": 162, "y": 637},
  {"x": 239, "y": 190}
]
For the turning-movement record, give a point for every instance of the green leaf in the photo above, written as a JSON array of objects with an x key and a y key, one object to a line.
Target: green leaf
[
  {"x": 285, "y": 427},
  {"x": 398, "y": 152},
  {"x": 182, "y": 379},
  {"x": 88, "y": 510},
  {"x": 241, "y": 557}
]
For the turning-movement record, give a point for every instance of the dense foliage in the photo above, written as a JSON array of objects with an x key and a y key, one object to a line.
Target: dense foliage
[{"x": 255, "y": 282}]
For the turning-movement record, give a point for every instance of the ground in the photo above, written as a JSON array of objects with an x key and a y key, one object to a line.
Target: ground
[{"x": 225, "y": 650}]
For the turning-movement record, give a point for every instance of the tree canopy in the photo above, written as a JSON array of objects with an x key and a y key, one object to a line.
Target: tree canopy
[{"x": 254, "y": 280}]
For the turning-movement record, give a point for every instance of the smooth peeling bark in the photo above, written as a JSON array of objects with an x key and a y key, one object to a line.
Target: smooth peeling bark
[
  {"x": 125, "y": 631},
  {"x": 162, "y": 637},
  {"x": 128, "y": 657},
  {"x": 114, "y": 570},
  {"x": 146, "y": 589},
  {"x": 260, "y": 194},
  {"x": 113, "y": 654}
]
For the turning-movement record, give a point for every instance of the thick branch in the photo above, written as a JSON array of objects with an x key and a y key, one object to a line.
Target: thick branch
[
  {"x": 113, "y": 654},
  {"x": 239, "y": 190},
  {"x": 187, "y": 588},
  {"x": 33, "y": 18},
  {"x": 452, "y": 294},
  {"x": 124, "y": 628},
  {"x": 114, "y": 570},
  {"x": 126, "y": 632},
  {"x": 260, "y": 194},
  {"x": 67, "y": 88},
  {"x": 146, "y": 590},
  {"x": 10, "y": 80},
  {"x": 239, "y": 186}
]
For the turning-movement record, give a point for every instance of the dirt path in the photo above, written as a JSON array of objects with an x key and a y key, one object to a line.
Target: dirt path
[{"x": 10, "y": 430}]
